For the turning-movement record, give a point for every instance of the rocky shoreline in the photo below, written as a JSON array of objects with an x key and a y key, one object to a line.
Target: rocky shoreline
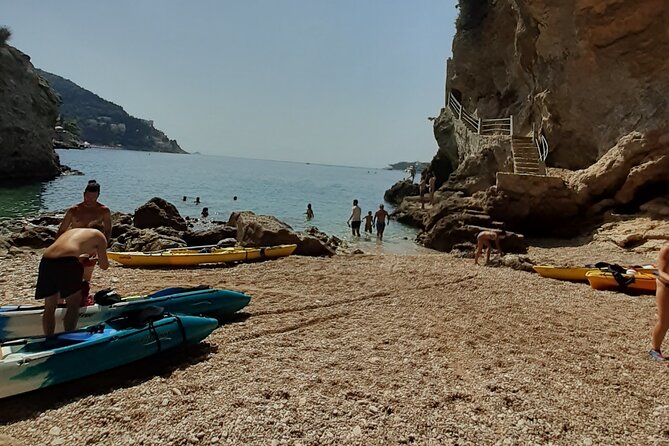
[{"x": 157, "y": 225}]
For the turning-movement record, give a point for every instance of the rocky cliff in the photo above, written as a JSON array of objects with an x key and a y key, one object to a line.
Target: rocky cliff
[
  {"x": 28, "y": 112},
  {"x": 589, "y": 75}
]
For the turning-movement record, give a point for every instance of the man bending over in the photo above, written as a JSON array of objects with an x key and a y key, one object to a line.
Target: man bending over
[
  {"x": 485, "y": 239},
  {"x": 61, "y": 273}
]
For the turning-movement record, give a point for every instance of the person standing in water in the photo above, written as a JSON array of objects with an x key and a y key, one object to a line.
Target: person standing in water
[
  {"x": 355, "y": 219},
  {"x": 381, "y": 219},
  {"x": 369, "y": 223},
  {"x": 84, "y": 214},
  {"x": 61, "y": 272},
  {"x": 310, "y": 212},
  {"x": 662, "y": 302}
]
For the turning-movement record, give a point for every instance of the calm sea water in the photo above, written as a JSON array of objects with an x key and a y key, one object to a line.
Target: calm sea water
[{"x": 283, "y": 189}]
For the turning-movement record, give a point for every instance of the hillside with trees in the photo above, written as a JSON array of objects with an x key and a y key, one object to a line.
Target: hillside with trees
[{"x": 104, "y": 123}]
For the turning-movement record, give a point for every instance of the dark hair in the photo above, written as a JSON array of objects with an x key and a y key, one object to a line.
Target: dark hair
[
  {"x": 355, "y": 202},
  {"x": 92, "y": 186}
]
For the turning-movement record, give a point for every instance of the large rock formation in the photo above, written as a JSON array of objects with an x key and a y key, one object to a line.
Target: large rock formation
[
  {"x": 591, "y": 77},
  {"x": 28, "y": 112},
  {"x": 586, "y": 72}
]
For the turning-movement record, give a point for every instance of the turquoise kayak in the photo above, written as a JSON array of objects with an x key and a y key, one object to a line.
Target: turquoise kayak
[
  {"x": 28, "y": 365},
  {"x": 25, "y": 321}
]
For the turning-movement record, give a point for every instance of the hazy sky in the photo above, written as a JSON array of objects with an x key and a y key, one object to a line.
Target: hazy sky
[{"x": 347, "y": 82}]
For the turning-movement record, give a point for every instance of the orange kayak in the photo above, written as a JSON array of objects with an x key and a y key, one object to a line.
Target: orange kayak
[{"x": 640, "y": 282}]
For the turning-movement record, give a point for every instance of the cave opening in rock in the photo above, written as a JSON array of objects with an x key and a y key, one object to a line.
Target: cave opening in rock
[{"x": 643, "y": 195}]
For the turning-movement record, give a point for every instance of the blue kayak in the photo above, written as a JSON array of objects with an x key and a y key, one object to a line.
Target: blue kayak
[
  {"x": 27, "y": 365},
  {"x": 26, "y": 320}
]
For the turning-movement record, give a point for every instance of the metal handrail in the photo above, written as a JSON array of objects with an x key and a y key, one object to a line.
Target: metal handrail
[
  {"x": 479, "y": 125},
  {"x": 542, "y": 147}
]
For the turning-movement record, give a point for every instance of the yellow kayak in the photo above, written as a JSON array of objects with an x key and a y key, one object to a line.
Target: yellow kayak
[
  {"x": 602, "y": 280},
  {"x": 190, "y": 257},
  {"x": 576, "y": 274}
]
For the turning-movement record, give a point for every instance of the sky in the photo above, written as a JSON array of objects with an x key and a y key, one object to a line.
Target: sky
[{"x": 344, "y": 82}]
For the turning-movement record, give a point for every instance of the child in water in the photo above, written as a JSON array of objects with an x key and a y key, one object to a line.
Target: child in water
[
  {"x": 368, "y": 222},
  {"x": 310, "y": 212}
]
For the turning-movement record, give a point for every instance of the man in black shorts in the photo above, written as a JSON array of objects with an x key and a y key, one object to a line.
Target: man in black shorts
[
  {"x": 355, "y": 219},
  {"x": 61, "y": 273}
]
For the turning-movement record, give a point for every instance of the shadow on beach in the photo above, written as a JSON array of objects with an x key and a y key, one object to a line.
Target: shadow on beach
[
  {"x": 559, "y": 242},
  {"x": 32, "y": 404}
]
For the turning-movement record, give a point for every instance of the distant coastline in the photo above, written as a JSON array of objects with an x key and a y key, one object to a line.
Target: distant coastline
[{"x": 403, "y": 165}]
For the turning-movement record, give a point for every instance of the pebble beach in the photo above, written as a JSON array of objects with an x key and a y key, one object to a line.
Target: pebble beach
[{"x": 371, "y": 349}]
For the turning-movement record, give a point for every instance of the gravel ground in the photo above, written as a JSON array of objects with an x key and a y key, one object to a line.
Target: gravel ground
[{"x": 372, "y": 349}]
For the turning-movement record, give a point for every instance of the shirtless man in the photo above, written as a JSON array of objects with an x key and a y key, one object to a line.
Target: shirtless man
[
  {"x": 83, "y": 214},
  {"x": 355, "y": 219},
  {"x": 662, "y": 301},
  {"x": 61, "y": 272},
  {"x": 380, "y": 219},
  {"x": 486, "y": 239}
]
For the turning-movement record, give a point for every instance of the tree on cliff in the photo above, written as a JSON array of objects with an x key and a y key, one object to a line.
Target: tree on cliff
[
  {"x": 472, "y": 13},
  {"x": 72, "y": 126},
  {"x": 5, "y": 35}
]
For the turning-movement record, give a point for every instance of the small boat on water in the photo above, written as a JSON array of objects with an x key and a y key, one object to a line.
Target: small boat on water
[
  {"x": 20, "y": 321},
  {"x": 637, "y": 282},
  {"x": 192, "y": 257},
  {"x": 30, "y": 364}
]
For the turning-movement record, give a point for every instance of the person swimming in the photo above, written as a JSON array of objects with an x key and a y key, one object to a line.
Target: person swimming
[{"x": 310, "y": 212}]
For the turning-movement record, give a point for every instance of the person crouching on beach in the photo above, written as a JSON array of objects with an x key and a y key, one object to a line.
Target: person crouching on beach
[
  {"x": 61, "y": 273},
  {"x": 485, "y": 239},
  {"x": 369, "y": 219},
  {"x": 662, "y": 302}
]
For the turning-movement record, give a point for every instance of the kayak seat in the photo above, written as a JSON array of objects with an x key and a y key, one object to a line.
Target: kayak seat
[{"x": 139, "y": 318}]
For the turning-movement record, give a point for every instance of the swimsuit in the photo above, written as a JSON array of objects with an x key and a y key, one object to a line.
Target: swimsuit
[
  {"x": 380, "y": 226},
  {"x": 60, "y": 275},
  {"x": 355, "y": 225}
]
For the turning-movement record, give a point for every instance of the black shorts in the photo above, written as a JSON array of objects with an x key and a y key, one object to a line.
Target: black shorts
[
  {"x": 355, "y": 225},
  {"x": 61, "y": 275}
]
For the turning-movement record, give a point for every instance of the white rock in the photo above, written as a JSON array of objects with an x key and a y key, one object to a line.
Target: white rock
[
  {"x": 357, "y": 431},
  {"x": 54, "y": 431}
]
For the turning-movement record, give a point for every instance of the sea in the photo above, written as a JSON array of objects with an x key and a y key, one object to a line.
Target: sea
[{"x": 129, "y": 179}]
